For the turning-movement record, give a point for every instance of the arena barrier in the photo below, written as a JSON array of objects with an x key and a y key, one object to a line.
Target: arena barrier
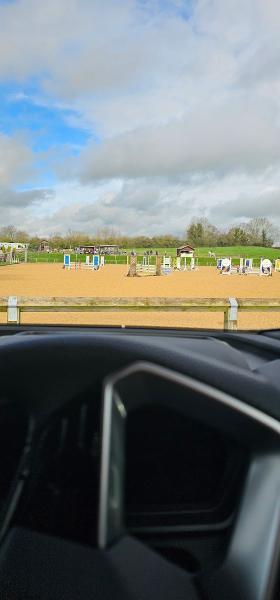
[{"x": 15, "y": 306}]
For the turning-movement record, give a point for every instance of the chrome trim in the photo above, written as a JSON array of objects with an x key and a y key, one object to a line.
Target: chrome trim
[
  {"x": 198, "y": 386},
  {"x": 185, "y": 381},
  {"x": 102, "y": 525}
]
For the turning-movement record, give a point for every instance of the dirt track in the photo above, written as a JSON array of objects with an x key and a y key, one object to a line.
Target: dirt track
[{"x": 52, "y": 280}]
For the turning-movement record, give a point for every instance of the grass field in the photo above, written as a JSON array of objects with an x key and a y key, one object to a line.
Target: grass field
[
  {"x": 255, "y": 252},
  {"x": 241, "y": 251},
  {"x": 233, "y": 251},
  {"x": 51, "y": 280}
]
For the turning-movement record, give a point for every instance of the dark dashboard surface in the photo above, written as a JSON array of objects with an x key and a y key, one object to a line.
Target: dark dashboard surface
[
  {"x": 191, "y": 448},
  {"x": 236, "y": 363}
]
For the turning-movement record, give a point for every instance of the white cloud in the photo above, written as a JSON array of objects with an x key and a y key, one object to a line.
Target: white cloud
[
  {"x": 223, "y": 138},
  {"x": 19, "y": 207},
  {"x": 151, "y": 206},
  {"x": 262, "y": 204},
  {"x": 11, "y": 199},
  {"x": 186, "y": 111},
  {"x": 16, "y": 160}
]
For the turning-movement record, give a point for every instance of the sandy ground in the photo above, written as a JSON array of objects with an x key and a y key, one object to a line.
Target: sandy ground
[{"x": 52, "y": 280}]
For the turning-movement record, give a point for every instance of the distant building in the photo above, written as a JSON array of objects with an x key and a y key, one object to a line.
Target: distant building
[
  {"x": 276, "y": 244},
  {"x": 44, "y": 246},
  {"x": 185, "y": 251},
  {"x": 99, "y": 249},
  {"x": 86, "y": 250},
  {"x": 108, "y": 249}
]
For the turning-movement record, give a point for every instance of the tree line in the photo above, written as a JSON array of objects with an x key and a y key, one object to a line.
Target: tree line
[
  {"x": 200, "y": 232},
  {"x": 256, "y": 232}
]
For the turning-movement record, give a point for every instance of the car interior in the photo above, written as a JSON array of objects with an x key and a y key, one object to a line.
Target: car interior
[{"x": 139, "y": 464}]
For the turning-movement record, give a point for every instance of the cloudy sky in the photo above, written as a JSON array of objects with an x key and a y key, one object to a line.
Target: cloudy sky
[{"x": 138, "y": 114}]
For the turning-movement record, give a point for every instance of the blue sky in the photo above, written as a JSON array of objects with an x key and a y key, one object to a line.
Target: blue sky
[
  {"x": 21, "y": 110},
  {"x": 46, "y": 128},
  {"x": 138, "y": 115}
]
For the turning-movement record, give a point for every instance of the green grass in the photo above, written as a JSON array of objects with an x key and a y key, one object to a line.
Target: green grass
[
  {"x": 168, "y": 251},
  {"x": 57, "y": 257},
  {"x": 240, "y": 251},
  {"x": 220, "y": 251},
  {"x": 235, "y": 252},
  {"x": 45, "y": 257}
]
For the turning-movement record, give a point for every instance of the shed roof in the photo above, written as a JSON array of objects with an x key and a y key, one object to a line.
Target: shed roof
[{"x": 186, "y": 247}]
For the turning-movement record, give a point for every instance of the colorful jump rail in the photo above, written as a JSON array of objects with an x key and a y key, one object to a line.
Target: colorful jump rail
[{"x": 15, "y": 306}]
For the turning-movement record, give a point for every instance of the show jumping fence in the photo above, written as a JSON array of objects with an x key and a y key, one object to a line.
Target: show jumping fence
[
  {"x": 15, "y": 306},
  {"x": 137, "y": 269},
  {"x": 11, "y": 258}
]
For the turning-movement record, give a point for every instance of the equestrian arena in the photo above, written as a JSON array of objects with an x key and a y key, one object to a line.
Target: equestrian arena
[{"x": 51, "y": 280}]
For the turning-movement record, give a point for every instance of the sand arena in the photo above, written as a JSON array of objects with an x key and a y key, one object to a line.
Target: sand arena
[{"x": 111, "y": 281}]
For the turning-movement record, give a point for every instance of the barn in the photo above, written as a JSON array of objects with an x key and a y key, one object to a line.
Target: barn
[
  {"x": 44, "y": 246},
  {"x": 186, "y": 251}
]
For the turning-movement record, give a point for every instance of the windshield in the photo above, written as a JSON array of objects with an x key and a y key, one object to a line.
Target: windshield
[{"x": 139, "y": 173}]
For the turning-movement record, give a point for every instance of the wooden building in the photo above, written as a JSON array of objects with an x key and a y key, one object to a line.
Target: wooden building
[
  {"x": 44, "y": 246},
  {"x": 186, "y": 251}
]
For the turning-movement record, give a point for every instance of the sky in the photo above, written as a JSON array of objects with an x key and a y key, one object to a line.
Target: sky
[{"x": 138, "y": 115}]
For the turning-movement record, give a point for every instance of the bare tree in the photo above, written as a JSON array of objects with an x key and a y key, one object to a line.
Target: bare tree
[
  {"x": 261, "y": 231},
  {"x": 8, "y": 233}
]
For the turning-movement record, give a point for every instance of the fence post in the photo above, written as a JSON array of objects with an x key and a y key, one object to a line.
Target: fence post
[
  {"x": 13, "y": 312},
  {"x": 231, "y": 315},
  {"x": 158, "y": 264},
  {"x": 132, "y": 268}
]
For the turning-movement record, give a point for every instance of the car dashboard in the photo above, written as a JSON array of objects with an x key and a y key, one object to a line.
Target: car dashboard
[{"x": 139, "y": 464}]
